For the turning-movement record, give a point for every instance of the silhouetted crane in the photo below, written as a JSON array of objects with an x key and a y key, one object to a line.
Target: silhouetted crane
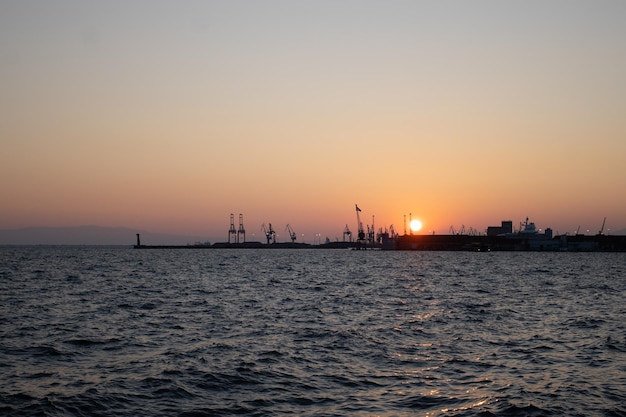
[
  {"x": 232, "y": 231},
  {"x": 292, "y": 234},
  {"x": 601, "y": 232},
  {"x": 361, "y": 231},
  {"x": 270, "y": 234},
  {"x": 348, "y": 233},
  {"x": 241, "y": 231}
]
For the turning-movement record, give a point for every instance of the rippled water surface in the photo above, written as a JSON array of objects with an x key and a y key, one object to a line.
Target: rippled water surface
[{"x": 123, "y": 332}]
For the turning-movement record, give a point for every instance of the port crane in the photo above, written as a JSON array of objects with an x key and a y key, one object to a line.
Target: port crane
[
  {"x": 361, "y": 231},
  {"x": 232, "y": 232},
  {"x": 460, "y": 231},
  {"x": 270, "y": 234},
  {"x": 292, "y": 234},
  {"x": 601, "y": 232},
  {"x": 347, "y": 233},
  {"x": 241, "y": 231}
]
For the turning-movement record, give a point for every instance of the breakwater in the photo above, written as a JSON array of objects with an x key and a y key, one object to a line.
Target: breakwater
[{"x": 478, "y": 243}]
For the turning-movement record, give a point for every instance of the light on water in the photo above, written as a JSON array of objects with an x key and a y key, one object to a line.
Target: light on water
[{"x": 122, "y": 332}]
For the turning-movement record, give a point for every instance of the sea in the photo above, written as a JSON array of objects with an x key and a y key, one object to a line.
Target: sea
[{"x": 114, "y": 331}]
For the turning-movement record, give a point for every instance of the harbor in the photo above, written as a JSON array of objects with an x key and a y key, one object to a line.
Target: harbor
[{"x": 495, "y": 238}]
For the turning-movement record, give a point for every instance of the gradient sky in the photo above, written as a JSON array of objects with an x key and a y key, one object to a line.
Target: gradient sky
[{"x": 168, "y": 116}]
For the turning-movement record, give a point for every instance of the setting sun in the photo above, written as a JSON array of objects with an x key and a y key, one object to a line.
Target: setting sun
[{"x": 415, "y": 225}]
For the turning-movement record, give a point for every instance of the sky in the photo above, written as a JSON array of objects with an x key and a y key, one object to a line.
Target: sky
[{"x": 169, "y": 116}]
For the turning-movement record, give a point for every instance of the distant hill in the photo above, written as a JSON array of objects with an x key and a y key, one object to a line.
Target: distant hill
[{"x": 90, "y": 235}]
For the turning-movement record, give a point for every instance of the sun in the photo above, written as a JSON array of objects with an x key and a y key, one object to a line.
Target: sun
[{"x": 415, "y": 225}]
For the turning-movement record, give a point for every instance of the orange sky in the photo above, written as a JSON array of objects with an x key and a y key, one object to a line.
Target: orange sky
[{"x": 168, "y": 117}]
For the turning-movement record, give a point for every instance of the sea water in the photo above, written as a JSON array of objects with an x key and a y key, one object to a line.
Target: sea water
[{"x": 120, "y": 332}]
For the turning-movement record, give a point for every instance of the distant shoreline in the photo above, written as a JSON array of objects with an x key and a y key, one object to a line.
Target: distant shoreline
[{"x": 468, "y": 243}]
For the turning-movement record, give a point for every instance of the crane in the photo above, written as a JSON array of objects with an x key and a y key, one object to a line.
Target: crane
[
  {"x": 601, "y": 232},
  {"x": 241, "y": 231},
  {"x": 270, "y": 234},
  {"x": 348, "y": 233},
  {"x": 232, "y": 232},
  {"x": 292, "y": 234},
  {"x": 361, "y": 232}
]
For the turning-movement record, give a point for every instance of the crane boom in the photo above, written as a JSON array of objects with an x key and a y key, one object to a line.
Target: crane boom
[
  {"x": 292, "y": 234},
  {"x": 361, "y": 231},
  {"x": 270, "y": 234}
]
